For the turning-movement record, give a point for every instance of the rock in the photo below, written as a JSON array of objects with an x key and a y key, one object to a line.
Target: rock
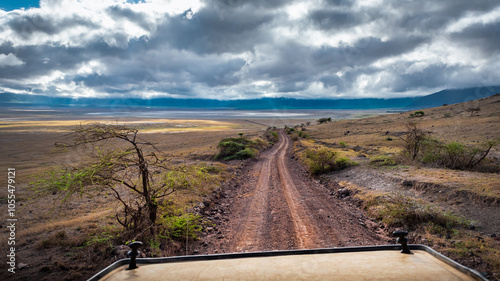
[
  {"x": 357, "y": 148},
  {"x": 121, "y": 251},
  {"x": 21, "y": 265},
  {"x": 344, "y": 192},
  {"x": 407, "y": 183},
  {"x": 45, "y": 269}
]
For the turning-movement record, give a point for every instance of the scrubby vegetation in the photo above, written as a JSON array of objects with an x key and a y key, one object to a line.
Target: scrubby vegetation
[
  {"x": 399, "y": 211},
  {"x": 271, "y": 136},
  {"x": 427, "y": 150},
  {"x": 417, "y": 114},
  {"x": 382, "y": 160},
  {"x": 443, "y": 230},
  {"x": 240, "y": 148},
  {"x": 324, "y": 120},
  {"x": 325, "y": 160},
  {"x": 141, "y": 182}
]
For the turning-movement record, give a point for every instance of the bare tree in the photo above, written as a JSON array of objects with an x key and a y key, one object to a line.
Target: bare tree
[
  {"x": 131, "y": 175},
  {"x": 413, "y": 139}
]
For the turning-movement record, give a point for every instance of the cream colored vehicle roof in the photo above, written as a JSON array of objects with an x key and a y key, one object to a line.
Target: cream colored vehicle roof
[{"x": 372, "y": 265}]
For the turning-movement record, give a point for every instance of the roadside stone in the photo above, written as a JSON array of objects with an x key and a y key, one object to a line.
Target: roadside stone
[
  {"x": 121, "y": 251},
  {"x": 344, "y": 192}
]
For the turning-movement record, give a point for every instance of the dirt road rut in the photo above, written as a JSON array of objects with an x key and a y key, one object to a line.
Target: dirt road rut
[{"x": 277, "y": 206}]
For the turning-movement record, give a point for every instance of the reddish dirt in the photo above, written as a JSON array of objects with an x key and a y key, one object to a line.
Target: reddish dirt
[{"x": 276, "y": 205}]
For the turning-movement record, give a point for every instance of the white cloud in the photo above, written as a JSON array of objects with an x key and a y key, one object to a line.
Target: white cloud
[
  {"x": 229, "y": 49},
  {"x": 9, "y": 60}
]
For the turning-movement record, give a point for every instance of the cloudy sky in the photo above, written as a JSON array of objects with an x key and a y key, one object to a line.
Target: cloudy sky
[{"x": 235, "y": 49}]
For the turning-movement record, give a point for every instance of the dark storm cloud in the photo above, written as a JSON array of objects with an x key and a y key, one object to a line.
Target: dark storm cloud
[
  {"x": 422, "y": 17},
  {"x": 127, "y": 13},
  {"x": 27, "y": 25},
  {"x": 40, "y": 60},
  {"x": 206, "y": 32},
  {"x": 328, "y": 19},
  {"x": 485, "y": 37},
  {"x": 254, "y": 3},
  {"x": 432, "y": 76},
  {"x": 243, "y": 48}
]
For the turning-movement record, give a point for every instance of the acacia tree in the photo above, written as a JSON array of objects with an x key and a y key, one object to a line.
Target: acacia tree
[
  {"x": 413, "y": 139},
  {"x": 134, "y": 178}
]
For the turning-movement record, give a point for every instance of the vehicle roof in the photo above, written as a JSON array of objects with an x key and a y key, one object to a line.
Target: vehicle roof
[{"x": 422, "y": 264}]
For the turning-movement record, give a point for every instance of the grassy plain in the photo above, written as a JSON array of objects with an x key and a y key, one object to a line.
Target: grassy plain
[
  {"x": 54, "y": 242},
  {"x": 403, "y": 193}
]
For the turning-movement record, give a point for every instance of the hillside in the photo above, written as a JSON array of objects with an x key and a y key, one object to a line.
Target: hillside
[
  {"x": 453, "y": 96},
  {"x": 412, "y": 194}
]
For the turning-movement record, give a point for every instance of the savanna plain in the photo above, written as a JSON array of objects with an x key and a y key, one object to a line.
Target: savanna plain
[{"x": 237, "y": 185}]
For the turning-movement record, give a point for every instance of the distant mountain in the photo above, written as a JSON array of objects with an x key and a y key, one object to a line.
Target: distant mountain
[
  {"x": 23, "y": 100},
  {"x": 433, "y": 100},
  {"x": 453, "y": 96}
]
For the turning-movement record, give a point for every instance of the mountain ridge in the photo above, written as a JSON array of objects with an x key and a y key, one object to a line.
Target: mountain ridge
[{"x": 448, "y": 96}]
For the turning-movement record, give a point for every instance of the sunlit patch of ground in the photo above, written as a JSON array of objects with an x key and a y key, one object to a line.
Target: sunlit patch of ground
[{"x": 146, "y": 126}]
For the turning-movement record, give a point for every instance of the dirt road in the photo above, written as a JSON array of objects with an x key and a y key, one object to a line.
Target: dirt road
[{"x": 277, "y": 206}]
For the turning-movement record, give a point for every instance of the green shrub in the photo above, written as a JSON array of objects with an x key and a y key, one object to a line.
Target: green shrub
[
  {"x": 397, "y": 210},
  {"x": 271, "y": 136},
  {"x": 325, "y": 160},
  {"x": 244, "y": 154},
  {"x": 382, "y": 160},
  {"x": 229, "y": 148},
  {"x": 324, "y": 120},
  {"x": 417, "y": 114},
  {"x": 453, "y": 155},
  {"x": 343, "y": 144},
  {"x": 344, "y": 162},
  {"x": 239, "y": 148},
  {"x": 187, "y": 226}
]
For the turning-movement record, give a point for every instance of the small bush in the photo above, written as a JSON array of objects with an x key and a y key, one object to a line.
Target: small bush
[
  {"x": 344, "y": 162},
  {"x": 343, "y": 144},
  {"x": 417, "y": 114},
  {"x": 244, "y": 154},
  {"x": 453, "y": 155},
  {"x": 228, "y": 149},
  {"x": 239, "y": 148},
  {"x": 325, "y": 160},
  {"x": 447, "y": 115},
  {"x": 397, "y": 210},
  {"x": 382, "y": 160},
  {"x": 324, "y": 120},
  {"x": 181, "y": 227},
  {"x": 271, "y": 136},
  {"x": 303, "y": 135}
]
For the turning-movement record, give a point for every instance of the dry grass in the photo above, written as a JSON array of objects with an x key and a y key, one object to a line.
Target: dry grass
[
  {"x": 28, "y": 146},
  {"x": 431, "y": 226},
  {"x": 479, "y": 183}
]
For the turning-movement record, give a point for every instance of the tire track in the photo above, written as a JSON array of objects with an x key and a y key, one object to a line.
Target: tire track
[
  {"x": 276, "y": 206},
  {"x": 305, "y": 231}
]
